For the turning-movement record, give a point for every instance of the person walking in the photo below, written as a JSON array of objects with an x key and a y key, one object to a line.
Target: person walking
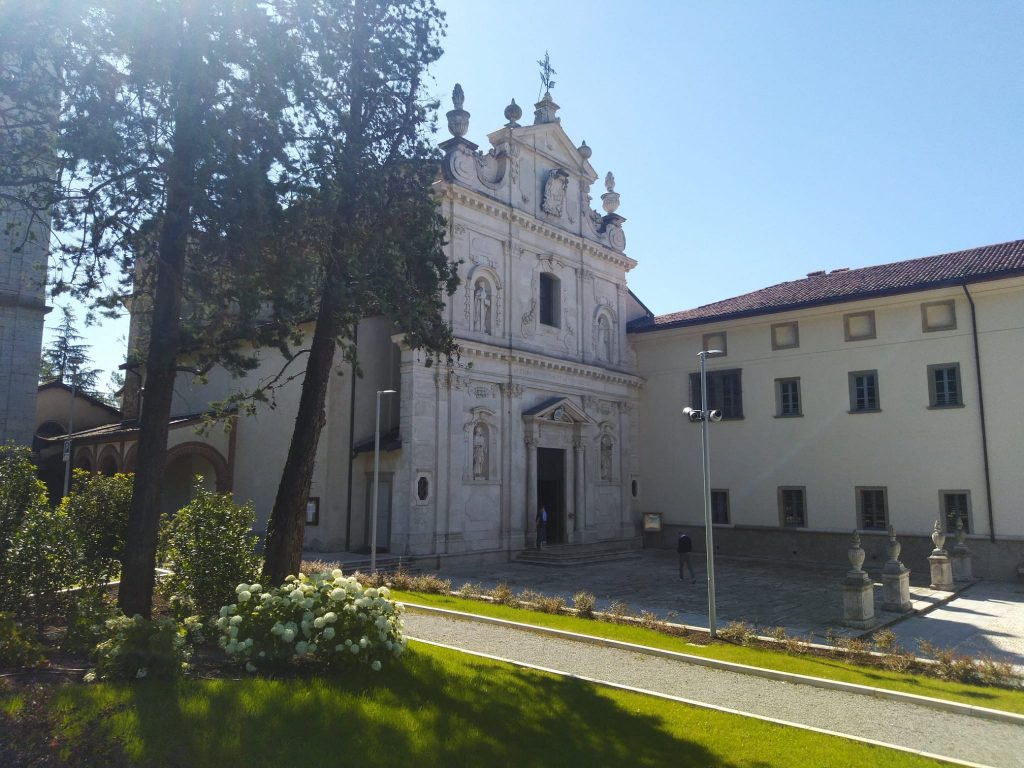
[
  {"x": 684, "y": 547},
  {"x": 542, "y": 526}
]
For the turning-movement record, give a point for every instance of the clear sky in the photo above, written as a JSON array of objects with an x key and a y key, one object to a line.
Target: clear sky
[{"x": 753, "y": 142}]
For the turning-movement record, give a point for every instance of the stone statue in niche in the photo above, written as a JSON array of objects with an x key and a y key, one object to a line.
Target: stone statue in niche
[
  {"x": 555, "y": 188},
  {"x": 604, "y": 339},
  {"x": 482, "y": 307},
  {"x": 480, "y": 451},
  {"x": 606, "y": 458}
]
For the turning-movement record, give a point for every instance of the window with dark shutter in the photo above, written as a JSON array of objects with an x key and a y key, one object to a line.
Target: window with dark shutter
[{"x": 725, "y": 392}]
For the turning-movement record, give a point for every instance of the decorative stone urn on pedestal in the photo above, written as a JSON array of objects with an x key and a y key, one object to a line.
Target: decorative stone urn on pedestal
[
  {"x": 941, "y": 568},
  {"x": 858, "y": 590},
  {"x": 895, "y": 579},
  {"x": 962, "y": 568}
]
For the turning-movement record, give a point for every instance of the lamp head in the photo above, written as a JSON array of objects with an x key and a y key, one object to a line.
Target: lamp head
[{"x": 715, "y": 416}]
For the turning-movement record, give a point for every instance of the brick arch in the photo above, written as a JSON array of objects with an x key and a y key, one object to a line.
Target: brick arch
[
  {"x": 109, "y": 459},
  {"x": 211, "y": 454}
]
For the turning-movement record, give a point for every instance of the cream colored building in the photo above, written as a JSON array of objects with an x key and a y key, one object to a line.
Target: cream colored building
[{"x": 856, "y": 399}]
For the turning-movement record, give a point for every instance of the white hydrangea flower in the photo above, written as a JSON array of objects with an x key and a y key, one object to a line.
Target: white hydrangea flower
[
  {"x": 336, "y": 573},
  {"x": 255, "y": 588},
  {"x": 236, "y": 620},
  {"x": 296, "y": 594},
  {"x": 307, "y": 603},
  {"x": 330, "y": 617},
  {"x": 328, "y": 633},
  {"x": 250, "y": 667},
  {"x": 375, "y": 666},
  {"x": 244, "y": 595},
  {"x": 241, "y": 588},
  {"x": 288, "y": 635},
  {"x": 300, "y": 647},
  {"x": 319, "y": 622}
]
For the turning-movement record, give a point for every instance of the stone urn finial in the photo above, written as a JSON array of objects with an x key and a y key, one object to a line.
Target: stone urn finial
[
  {"x": 938, "y": 536},
  {"x": 894, "y": 546},
  {"x": 512, "y": 113},
  {"x": 584, "y": 150},
  {"x": 855, "y": 553},
  {"x": 610, "y": 199},
  {"x": 458, "y": 118}
]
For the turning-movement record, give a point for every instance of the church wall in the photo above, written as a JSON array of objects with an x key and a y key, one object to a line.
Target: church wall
[{"x": 908, "y": 448}]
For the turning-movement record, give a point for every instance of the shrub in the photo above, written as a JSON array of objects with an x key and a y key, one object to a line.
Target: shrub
[
  {"x": 898, "y": 661},
  {"x": 17, "y": 648},
  {"x": 210, "y": 547},
  {"x": 329, "y": 619},
  {"x": 778, "y": 634},
  {"x": 584, "y": 602},
  {"x": 650, "y": 620},
  {"x": 40, "y": 564},
  {"x": 618, "y": 609},
  {"x": 739, "y": 632},
  {"x": 503, "y": 595},
  {"x": 87, "y": 615},
  {"x": 135, "y": 648},
  {"x": 549, "y": 604},
  {"x": 97, "y": 511},
  {"x": 472, "y": 591},
  {"x": 19, "y": 491}
]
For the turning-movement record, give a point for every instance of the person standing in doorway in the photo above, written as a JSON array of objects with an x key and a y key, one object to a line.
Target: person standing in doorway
[
  {"x": 684, "y": 547},
  {"x": 542, "y": 526}
]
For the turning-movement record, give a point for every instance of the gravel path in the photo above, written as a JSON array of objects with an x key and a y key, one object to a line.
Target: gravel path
[{"x": 908, "y": 725}]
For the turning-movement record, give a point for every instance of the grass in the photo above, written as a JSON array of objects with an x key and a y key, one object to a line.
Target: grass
[
  {"x": 831, "y": 668},
  {"x": 438, "y": 708}
]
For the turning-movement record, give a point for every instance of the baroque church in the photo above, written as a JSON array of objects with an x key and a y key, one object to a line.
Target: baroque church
[{"x": 875, "y": 399}]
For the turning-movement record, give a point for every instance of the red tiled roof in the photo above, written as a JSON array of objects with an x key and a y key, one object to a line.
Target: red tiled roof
[{"x": 989, "y": 262}]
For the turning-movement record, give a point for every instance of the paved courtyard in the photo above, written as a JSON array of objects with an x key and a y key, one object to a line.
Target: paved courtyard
[{"x": 986, "y": 618}]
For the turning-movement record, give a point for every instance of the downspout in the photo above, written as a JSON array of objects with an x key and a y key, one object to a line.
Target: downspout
[
  {"x": 981, "y": 409},
  {"x": 351, "y": 440}
]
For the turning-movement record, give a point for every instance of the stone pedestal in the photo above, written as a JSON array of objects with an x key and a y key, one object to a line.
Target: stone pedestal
[
  {"x": 858, "y": 591},
  {"x": 895, "y": 580},
  {"x": 939, "y": 562},
  {"x": 961, "y": 561}
]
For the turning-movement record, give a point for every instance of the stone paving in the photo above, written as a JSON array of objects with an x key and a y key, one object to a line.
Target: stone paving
[{"x": 986, "y": 618}]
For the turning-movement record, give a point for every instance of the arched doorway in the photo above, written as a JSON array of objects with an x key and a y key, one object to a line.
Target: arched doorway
[
  {"x": 108, "y": 461},
  {"x": 186, "y": 461}
]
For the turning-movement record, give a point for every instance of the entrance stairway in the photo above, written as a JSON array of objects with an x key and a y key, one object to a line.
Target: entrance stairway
[{"x": 568, "y": 555}]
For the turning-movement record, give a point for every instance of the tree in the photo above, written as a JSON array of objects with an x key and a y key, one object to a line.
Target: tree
[
  {"x": 66, "y": 359},
  {"x": 368, "y": 218},
  {"x": 170, "y": 149}
]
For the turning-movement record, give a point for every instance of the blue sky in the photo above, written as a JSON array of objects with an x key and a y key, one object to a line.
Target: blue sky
[{"x": 753, "y": 142}]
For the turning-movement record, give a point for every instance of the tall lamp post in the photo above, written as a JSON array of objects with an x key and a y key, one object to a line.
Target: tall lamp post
[
  {"x": 704, "y": 416},
  {"x": 376, "y": 482}
]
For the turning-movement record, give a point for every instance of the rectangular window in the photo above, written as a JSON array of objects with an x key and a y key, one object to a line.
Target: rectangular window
[
  {"x": 858, "y": 326},
  {"x": 956, "y": 504},
  {"x": 716, "y": 341},
  {"x": 944, "y": 386},
  {"x": 872, "y": 511},
  {"x": 725, "y": 392},
  {"x": 720, "y": 507},
  {"x": 550, "y": 300},
  {"x": 792, "y": 507},
  {"x": 785, "y": 335},
  {"x": 864, "y": 391},
  {"x": 787, "y": 397},
  {"x": 938, "y": 316}
]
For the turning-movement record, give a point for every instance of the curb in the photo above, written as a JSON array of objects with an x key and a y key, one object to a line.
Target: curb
[{"x": 789, "y": 677}]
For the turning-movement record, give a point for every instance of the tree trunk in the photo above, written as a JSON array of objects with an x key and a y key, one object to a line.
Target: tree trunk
[
  {"x": 135, "y": 595},
  {"x": 287, "y": 524}
]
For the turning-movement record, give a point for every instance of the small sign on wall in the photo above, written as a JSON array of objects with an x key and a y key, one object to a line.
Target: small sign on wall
[
  {"x": 313, "y": 511},
  {"x": 652, "y": 521}
]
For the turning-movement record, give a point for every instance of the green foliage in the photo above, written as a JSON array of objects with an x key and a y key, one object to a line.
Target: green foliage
[
  {"x": 209, "y": 546},
  {"x": 87, "y": 615},
  {"x": 20, "y": 491},
  {"x": 327, "y": 619},
  {"x": 66, "y": 359},
  {"x": 584, "y": 603},
  {"x": 97, "y": 511},
  {"x": 17, "y": 648},
  {"x": 134, "y": 648}
]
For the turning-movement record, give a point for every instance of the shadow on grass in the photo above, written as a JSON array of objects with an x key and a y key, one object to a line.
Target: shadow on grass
[{"x": 433, "y": 709}]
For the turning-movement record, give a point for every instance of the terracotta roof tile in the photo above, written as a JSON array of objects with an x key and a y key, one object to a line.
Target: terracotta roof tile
[{"x": 841, "y": 285}]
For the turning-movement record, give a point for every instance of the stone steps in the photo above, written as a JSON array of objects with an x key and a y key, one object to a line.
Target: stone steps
[{"x": 568, "y": 555}]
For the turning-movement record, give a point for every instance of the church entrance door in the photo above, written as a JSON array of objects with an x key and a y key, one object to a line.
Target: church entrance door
[{"x": 551, "y": 491}]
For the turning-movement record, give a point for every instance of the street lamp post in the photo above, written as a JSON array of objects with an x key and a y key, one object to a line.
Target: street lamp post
[
  {"x": 704, "y": 416},
  {"x": 68, "y": 457},
  {"x": 376, "y": 481}
]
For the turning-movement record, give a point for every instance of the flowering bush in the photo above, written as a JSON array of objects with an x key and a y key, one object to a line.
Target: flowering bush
[
  {"x": 135, "y": 648},
  {"x": 326, "y": 618}
]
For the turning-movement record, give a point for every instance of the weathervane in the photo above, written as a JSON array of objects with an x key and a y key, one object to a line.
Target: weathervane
[{"x": 546, "y": 72}]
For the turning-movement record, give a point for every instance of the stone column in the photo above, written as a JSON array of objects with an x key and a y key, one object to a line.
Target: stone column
[
  {"x": 941, "y": 568},
  {"x": 858, "y": 591},
  {"x": 962, "y": 568},
  {"x": 530, "y": 528},
  {"x": 895, "y": 580},
  {"x": 579, "y": 523}
]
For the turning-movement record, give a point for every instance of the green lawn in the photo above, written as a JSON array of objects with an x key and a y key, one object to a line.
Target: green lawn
[
  {"x": 834, "y": 669},
  {"x": 437, "y": 708}
]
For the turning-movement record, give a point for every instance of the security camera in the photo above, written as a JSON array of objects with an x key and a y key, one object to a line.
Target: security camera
[
  {"x": 692, "y": 415},
  {"x": 715, "y": 416}
]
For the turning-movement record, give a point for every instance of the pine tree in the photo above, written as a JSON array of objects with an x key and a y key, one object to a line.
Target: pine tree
[{"x": 66, "y": 359}]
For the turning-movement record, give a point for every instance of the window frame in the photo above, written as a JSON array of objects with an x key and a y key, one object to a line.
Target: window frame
[
  {"x": 860, "y": 490},
  {"x": 852, "y": 379},
  {"x": 781, "y": 496},
  {"x": 716, "y": 393},
  {"x": 968, "y": 515},
  {"x": 723, "y": 492},
  {"x": 795, "y": 325},
  {"x": 553, "y": 306},
  {"x": 872, "y": 334},
  {"x": 780, "y": 412},
  {"x": 933, "y": 394},
  {"x": 723, "y": 347},
  {"x": 926, "y": 328}
]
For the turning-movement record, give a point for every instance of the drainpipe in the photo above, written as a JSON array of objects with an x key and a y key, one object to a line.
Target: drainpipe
[
  {"x": 981, "y": 409},
  {"x": 351, "y": 440}
]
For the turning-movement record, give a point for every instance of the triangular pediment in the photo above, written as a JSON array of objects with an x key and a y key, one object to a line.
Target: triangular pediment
[
  {"x": 550, "y": 141},
  {"x": 559, "y": 410}
]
